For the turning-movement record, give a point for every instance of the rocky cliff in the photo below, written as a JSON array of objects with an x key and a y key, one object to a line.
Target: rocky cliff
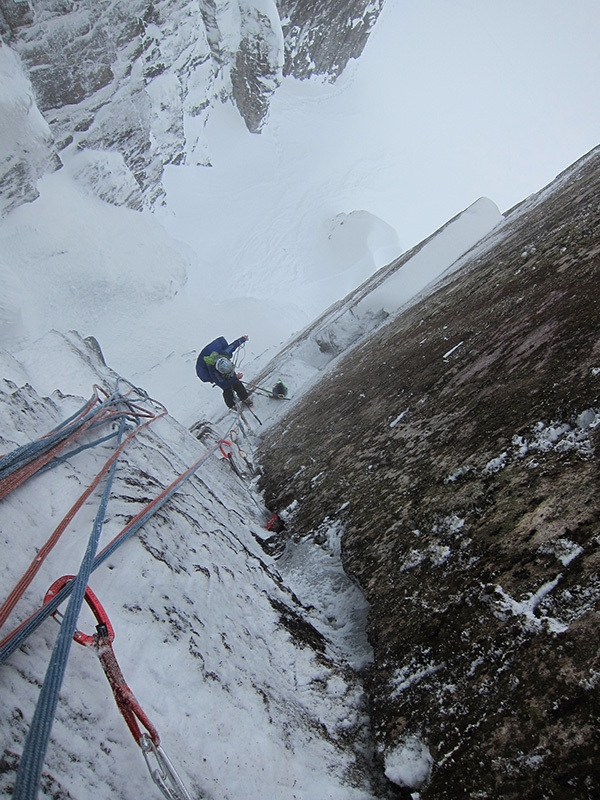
[
  {"x": 127, "y": 87},
  {"x": 459, "y": 446}
]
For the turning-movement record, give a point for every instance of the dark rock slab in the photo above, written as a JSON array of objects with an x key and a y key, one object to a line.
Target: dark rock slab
[{"x": 460, "y": 445}]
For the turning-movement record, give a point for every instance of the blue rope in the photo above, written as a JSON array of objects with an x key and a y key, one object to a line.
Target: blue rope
[
  {"x": 36, "y": 743},
  {"x": 70, "y": 419},
  {"x": 50, "y": 607},
  {"x": 61, "y": 459},
  {"x": 26, "y": 453}
]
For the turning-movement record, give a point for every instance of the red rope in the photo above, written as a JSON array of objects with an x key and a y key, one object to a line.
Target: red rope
[
  {"x": 124, "y": 531},
  {"x": 102, "y": 415},
  {"x": 22, "y": 585},
  {"x": 20, "y": 475}
]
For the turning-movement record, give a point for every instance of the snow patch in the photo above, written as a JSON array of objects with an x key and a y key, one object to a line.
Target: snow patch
[
  {"x": 405, "y": 677},
  {"x": 527, "y": 607},
  {"x": 563, "y": 436},
  {"x": 496, "y": 464},
  {"x": 398, "y": 418},
  {"x": 559, "y": 437},
  {"x": 452, "y": 524},
  {"x": 564, "y": 549},
  {"x": 409, "y": 764},
  {"x": 449, "y": 353}
]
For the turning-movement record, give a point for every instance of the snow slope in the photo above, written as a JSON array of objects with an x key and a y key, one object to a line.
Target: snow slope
[{"x": 214, "y": 638}]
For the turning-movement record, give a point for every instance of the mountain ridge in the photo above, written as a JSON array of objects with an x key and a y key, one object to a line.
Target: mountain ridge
[{"x": 126, "y": 89}]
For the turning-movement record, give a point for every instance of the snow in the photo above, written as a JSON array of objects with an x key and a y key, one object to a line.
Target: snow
[
  {"x": 527, "y": 607},
  {"x": 278, "y": 228},
  {"x": 409, "y": 764},
  {"x": 571, "y": 435},
  {"x": 317, "y": 578},
  {"x": 405, "y": 677},
  {"x": 496, "y": 464},
  {"x": 564, "y": 549},
  {"x": 197, "y": 608},
  {"x": 400, "y": 417},
  {"x": 452, "y": 349}
]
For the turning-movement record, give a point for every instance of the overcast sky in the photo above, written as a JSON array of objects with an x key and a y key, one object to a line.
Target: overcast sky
[{"x": 477, "y": 97}]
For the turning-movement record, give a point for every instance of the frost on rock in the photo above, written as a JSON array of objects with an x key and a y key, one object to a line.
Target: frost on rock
[
  {"x": 106, "y": 175},
  {"x": 257, "y": 69},
  {"x": 26, "y": 145},
  {"x": 320, "y": 38}
]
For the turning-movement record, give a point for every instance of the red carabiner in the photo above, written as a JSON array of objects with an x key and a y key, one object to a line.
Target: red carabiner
[
  {"x": 94, "y": 604},
  {"x": 223, "y": 442}
]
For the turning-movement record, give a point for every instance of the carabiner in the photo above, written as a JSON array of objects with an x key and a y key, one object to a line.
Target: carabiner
[
  {"x": 165, "y": 776},
  {"x": 222, "y": 444},
  {"x": 92, "y": 601}
]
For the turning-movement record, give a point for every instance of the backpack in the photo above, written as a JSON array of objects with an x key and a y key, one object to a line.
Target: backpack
[{"x": 212, "y": 358}]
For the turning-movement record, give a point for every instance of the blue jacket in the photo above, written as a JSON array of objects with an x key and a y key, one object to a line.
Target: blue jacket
[{"x": 206, "y": 372}]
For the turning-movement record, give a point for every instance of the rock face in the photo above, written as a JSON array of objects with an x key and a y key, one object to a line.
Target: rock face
[
  {"x": 460, "y": 446},
  {"x": 320, "y": 38},
  {"x": 131, "y": 85},
  {"x": 26, "y": 151}
]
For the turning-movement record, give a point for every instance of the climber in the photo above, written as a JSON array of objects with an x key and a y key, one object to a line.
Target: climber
[{"x": 214, "y": 365}]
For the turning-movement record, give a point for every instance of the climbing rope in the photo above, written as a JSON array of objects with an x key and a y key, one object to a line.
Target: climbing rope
[
  {"x": 165, "y": 776},
  {"x": 17, "y": 467},
  {"x": 23, "y": 456},
  {"x": 18, "y": 591},
  {"x": 15, "y": 639},
  {"x": 36, "y": 742},
  {"x": 25, "y": 461}
]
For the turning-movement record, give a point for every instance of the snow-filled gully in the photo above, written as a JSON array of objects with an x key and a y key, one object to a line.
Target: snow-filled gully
[{"x": 247, "y": 667}]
